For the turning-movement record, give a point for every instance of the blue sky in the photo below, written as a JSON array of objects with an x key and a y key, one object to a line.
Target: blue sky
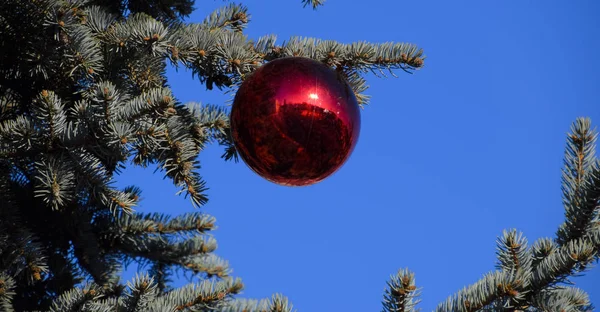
[{"x": 447, "y": 158}]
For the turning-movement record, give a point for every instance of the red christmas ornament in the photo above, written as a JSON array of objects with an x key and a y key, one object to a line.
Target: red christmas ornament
[{"x": 295, "y": 121}]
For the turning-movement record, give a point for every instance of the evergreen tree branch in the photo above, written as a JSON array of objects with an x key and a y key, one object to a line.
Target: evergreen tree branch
[
  {"x": 580, "y": 182},
  {"x": 142, "y": 292},
  {"x": 54, "y": 183},
  {"x": 541, "y": 249},
  {"x": 169, "y": 242},
  {"x": 49, "y": 117},
  {"x": 207, "y": 295},
  {"x": 221, "y": 57},
  {"x": 513, "y": 254},
  {"x": 98, "y": 20},
  {"x": 562, "y": 299},
  {"x": 280, "y": 303},
  {"x": 92, "y": 175},
  {"x": 233, "y": 17},
  {"x": 349, "y": 59},
  {"x": 75, "y": 300},
  {"x": 359, "y": 86},
  {"x": 211, "y": 123},
  {"x": 401, "y": 295},
  {"x": 517, "y": 288},
  {"x": 359, "y": 55},
  {"x": 492, "y": 287},
  {"x": 577, "y": 244},
  {"x": 16, "y": 137},
  {"x": 188, "y": 223},
  {"x": 7, "y": 286},
  {"x": 571, "y": 258},
  {"x": 154, "y": 102},
  {"x": 178, "y": 159},
  {"x": 246, "y": 305}
]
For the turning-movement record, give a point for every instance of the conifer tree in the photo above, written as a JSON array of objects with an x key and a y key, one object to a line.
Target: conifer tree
[{"x": 83, "y": 94}]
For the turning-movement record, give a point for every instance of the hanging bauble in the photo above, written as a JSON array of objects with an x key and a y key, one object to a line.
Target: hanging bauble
[{"x": 295, "y": 121}]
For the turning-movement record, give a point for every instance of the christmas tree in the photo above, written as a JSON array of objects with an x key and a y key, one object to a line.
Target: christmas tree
[{"x": 83, "y": 93}]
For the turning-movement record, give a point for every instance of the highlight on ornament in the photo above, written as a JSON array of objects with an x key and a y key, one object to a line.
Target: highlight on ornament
[{"x": 295, "y": 121}]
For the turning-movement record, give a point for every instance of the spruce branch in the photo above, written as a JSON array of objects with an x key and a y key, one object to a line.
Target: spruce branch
[
  {"x": 350, "y": 59},
  {"x": 7, "y": 286},
  {"x": 552, "y": 263},
  {"x": 142, "y": 292},
  {"x": 195, "y": 222},
  {"x": 153, "y": 102},
  {"x": 206, "y": 295},
  {"x": 49, "y": 116},
  {"x": 562, "y": 299},
  {"x": 569, "y": 259},
  {"x": 210, "y": 265},
  {"x": 170, "y": 242},
  {"x": 541, "y": 249},
  {"x": 494, "y": 286},
  {"x": 222, "y": 58},
  {"x": 98, "y": 20},
  {"x": 54, "y": 182},
  {"x": 359, "y": 85},
  {"x": 230, "y": 152},
  {"x": 580, "y": 181},
  {"x": 360, "y": 55},
  {"x": 210, "y": 124},
  {"x": 146, "y": 33},
  {"x": 401, "y": 295},
  {"x": 280, "y": 303},
  {"x": 178, "y": 159},
  {"x": 91, "y": 174},
  {"x": 182, "y": 225},
  {"x": 84, "y": 53},
  {"x": 104, "y": 100},
  {"x": 233, "y": 16},
  {"x": 76, "y": 299},
  {"x": 210, "y": 121},
  {"x": 17, "y": 137},
  {"x": 159, "y": 248},
  {"x": 511, "y": 288},
  {"x": 513, "y": 254},
  {"x": 193, "y": 45},
  {"x": 246, "y": 305},
  {"x": 277, "y": 303},
  {"x": 147, "y": 74}
]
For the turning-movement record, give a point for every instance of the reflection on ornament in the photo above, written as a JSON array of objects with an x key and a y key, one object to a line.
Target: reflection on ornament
[{"x": 295, "y": 121}]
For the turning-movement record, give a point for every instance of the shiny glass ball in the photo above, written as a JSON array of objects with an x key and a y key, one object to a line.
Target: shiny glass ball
[{"x": 295, "y": 121}]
